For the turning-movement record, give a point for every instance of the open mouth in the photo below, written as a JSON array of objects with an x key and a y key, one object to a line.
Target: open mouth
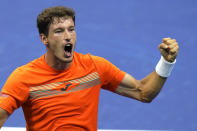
[{"x": 68, "y": 50}]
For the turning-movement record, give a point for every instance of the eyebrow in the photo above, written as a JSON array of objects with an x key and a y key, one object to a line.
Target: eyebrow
[
  {"x": 58, "y": 28},
  {"x": 63, "y": 27},
  {"x": 71, "y": 26}
]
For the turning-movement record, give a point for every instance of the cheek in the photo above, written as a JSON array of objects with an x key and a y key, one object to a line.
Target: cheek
[
  {"x": 74, "y": 37},
  {"x": 53, "y": 44},
  {"x": 54, "y": 41}
]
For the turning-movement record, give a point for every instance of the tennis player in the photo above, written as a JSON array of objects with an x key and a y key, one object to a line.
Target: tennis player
[{"x": 59, "y": 91}]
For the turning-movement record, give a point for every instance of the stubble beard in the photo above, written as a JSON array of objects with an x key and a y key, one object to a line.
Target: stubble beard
[{"x": 61, "y": 62}]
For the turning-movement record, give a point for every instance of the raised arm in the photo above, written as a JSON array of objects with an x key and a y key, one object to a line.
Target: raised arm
[
  {"x": 146, "y": 90},
  {"x": 3, "y": 116}
]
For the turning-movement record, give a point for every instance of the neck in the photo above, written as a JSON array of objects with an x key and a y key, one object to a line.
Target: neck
[{"x": 55, "y": 63}]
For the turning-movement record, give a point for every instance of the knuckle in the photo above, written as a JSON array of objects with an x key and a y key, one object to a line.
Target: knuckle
[
  {"x": 172, "y": 51},
  {"x": 161, "y": 45},
  {"x": 165, "y": 39}
]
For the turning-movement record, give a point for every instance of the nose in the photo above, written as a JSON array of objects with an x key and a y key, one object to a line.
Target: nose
[{"x": 67, "y": 36}]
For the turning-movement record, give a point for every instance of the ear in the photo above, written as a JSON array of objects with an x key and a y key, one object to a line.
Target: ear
[{"x": 44, "y": 39}]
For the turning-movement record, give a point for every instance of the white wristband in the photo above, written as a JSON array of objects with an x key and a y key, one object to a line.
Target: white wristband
[{"x": 164, "y": 68}]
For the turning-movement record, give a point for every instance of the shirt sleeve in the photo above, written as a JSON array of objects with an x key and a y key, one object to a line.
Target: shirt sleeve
[
  {"x": 110, "y": 75},
  {"x": 14, "y": 93}
]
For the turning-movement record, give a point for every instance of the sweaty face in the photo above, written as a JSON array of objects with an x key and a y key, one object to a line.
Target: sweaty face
[{"x": 62, "y": 39}]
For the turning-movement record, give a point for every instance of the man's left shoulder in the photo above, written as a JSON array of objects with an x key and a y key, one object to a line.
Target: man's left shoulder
[
  {"x": 83, "y": 57},
  {"x": 90, "y": 59}
]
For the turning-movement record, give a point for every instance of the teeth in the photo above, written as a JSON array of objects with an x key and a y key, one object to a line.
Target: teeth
[{"x": 68, "y": 45}]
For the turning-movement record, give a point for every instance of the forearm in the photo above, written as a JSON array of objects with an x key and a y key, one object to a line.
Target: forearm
[
  {"x": 3, "y": 116},
  {"x": 2, "y": 121},
  {"x": 150, "y": 86}
]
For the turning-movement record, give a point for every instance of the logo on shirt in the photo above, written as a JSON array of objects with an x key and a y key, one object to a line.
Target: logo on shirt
[{"x": 65, "y": 88}]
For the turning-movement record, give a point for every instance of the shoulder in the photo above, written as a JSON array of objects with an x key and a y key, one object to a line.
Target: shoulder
[
  {"x": 82, "y": 58},
  {"x": 21, "y": 71},
  {"x": 101, "y": 64},
  {"x": 90, "y": 59},
  {"x": 33, "y": 64}
]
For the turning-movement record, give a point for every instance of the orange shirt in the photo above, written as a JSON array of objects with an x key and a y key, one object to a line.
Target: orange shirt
[{"x": 60, "y": 100}]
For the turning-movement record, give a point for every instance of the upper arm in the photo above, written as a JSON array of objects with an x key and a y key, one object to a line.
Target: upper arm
[
  {"x": 3, "y": 116},
  {"x": 129, "y": 87}
]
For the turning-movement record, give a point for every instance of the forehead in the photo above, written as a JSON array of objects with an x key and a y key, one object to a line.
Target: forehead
[{"x": 62, "y": 21}]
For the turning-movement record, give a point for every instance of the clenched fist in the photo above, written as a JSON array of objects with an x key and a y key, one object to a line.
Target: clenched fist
[{"x": 169, "y": 49}]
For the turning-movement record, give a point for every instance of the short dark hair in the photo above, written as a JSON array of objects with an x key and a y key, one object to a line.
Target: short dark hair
[{"x": 46, "y": 17}]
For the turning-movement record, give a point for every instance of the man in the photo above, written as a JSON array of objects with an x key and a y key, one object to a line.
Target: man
[{"x": 60, "y": 90}]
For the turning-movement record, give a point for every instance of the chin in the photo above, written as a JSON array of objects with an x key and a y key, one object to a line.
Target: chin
[{"x": 67, "y": 60}]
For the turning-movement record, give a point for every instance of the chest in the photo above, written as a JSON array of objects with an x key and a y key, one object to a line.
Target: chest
[{"x": 75, "y": 92}]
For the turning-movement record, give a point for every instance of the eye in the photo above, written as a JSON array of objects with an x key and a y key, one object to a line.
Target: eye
[
  {"x": 58, "y": 31},
  {"x": 71, "y": 29}
]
